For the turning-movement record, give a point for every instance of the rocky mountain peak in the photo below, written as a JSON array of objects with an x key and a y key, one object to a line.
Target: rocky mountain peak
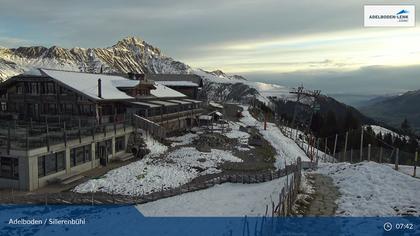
[
  {"x": 136, "y": 44},
  {"x": 218, "y": 73}
]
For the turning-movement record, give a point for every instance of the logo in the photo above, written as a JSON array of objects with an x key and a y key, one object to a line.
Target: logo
[
  {"x": 402, "y": 12},
  {"x": 389, "y": 16}
]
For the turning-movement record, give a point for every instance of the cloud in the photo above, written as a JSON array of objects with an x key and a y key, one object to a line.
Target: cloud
[
  {"x": 318, "y": 41},
  {"x": 186, "y": 24},
  {"x": 366, "y": 80}
]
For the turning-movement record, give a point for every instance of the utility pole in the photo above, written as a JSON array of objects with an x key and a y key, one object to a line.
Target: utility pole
[
  {"x": 298, "y": 92},
  {"x": 301, "y": 93}
]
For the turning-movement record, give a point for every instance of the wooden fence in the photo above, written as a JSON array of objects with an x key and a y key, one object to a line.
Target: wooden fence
[{"x": 110, "y": 198}]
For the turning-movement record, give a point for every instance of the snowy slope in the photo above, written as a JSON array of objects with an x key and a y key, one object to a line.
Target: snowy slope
[
  {"x": 221, "y": 200},
  {"x": 379, "y": 129},
  {"x": 287, "y": 150},
  {"x": 408, "y": 170},
  {"x": 372, "y": 189}
]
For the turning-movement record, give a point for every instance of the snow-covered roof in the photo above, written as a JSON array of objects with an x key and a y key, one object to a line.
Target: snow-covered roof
[
  {"x": 178, "y": 83},
  {"x": 128, "y": 83},
  {"x": 88, "y": 83},
  {"x": 216, "y": 105},
  {"x": 162, "y": 91},
  {"x": 216, "y": 113}
]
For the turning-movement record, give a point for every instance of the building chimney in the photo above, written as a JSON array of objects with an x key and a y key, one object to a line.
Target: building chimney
[{"x": 99, "y": 88}]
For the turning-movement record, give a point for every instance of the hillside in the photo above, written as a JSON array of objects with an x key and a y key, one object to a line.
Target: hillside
[{"x": 393, "y": 110}]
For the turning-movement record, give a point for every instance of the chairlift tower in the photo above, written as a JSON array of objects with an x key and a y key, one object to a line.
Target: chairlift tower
[{"x": 303, "y": 94}]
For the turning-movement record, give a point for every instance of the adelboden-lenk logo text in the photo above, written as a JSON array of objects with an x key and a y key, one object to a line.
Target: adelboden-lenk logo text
[{"x": 389, "y": 16}]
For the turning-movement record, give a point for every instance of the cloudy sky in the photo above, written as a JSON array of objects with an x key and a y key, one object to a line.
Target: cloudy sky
[{"x": 318, "y": 42}]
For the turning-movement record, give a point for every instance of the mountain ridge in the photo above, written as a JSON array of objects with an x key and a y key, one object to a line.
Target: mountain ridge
[{"x": 395, "y": 109}]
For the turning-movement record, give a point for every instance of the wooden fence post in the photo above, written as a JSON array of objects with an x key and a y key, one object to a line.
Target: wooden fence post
[
  {"x": 325, "y": 149},
  {"x": 317, "y": 149},
  {"x": 380, "y": 154},
  {"x": 396, "y": 158},
  {"x": 335, "y": 145},
  {"x": 415, "y": 163},
  {"x": 361, "y": 145},
  {"x": 345, "y": 146},
  {"x": 369, "y": 147},
  {"x": 351, "y": 155}
]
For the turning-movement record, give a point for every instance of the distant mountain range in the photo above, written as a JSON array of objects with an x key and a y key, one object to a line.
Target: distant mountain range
[{"x": 393, "y": 110}]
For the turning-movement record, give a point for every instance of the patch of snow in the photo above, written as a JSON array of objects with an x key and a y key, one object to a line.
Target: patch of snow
[
  {"x": 156, "y": 148},
  {"x": 147, "y": 175},
  {"x": 287, "y": 150},
  {"x": 216, "y": 105},
  {"x": 190, "y": 158},
  {"x": 372, "y": 189},
  {"x": 408, "y": 170},
  {"x": 378, "y": 129},
  {"x": 223, "y": 200},
  {"x": 162, "y": 91},
  {"x": 185, "y": 139}
]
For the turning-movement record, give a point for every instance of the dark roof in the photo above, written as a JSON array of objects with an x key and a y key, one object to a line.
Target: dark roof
[{"x": 176, "y": 77}]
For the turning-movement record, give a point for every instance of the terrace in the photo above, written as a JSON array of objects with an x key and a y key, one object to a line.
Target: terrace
[{"x": 23, "y": 135}]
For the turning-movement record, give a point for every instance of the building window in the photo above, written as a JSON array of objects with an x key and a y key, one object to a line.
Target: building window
[
  {"x": 35, "y": 88},
  {"x": 119, "y": 144},
  {"x": 69, "y": 108},
  {"x": 3, "y": 106},
  {"x": 50, "y": 88},
  {"x": 108, "y": 144},
  {"x": 9, "y": 168},
  {"x": 52, "y": 108},
  {"x": 80, "y": 155},
  {"x": 19, "y": 89},
  {"x": 51, "y": 163}
]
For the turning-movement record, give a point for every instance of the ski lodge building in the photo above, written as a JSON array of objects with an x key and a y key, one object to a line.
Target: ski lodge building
[{"x": 58, "y": 124}]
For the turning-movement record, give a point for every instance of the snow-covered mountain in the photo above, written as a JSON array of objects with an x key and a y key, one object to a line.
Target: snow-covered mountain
[{"x": 130, "y": 54}]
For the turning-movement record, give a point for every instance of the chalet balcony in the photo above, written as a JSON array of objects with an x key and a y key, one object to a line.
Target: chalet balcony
[
  {"x": 42, "y": 98},
  {"x": 25, "y": 135},
  {"x": 176, "y": 115}
]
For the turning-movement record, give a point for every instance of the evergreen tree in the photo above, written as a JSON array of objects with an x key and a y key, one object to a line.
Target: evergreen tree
[
  {"x": 317, "y": 123},
  {"x": 405, "y": 127},
  {"x": 350, "y": 121},
  {"x": 330, "y": 125}
]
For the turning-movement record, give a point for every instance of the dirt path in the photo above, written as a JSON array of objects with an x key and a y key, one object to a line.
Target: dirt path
[{"x": 326, "y": 193}]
